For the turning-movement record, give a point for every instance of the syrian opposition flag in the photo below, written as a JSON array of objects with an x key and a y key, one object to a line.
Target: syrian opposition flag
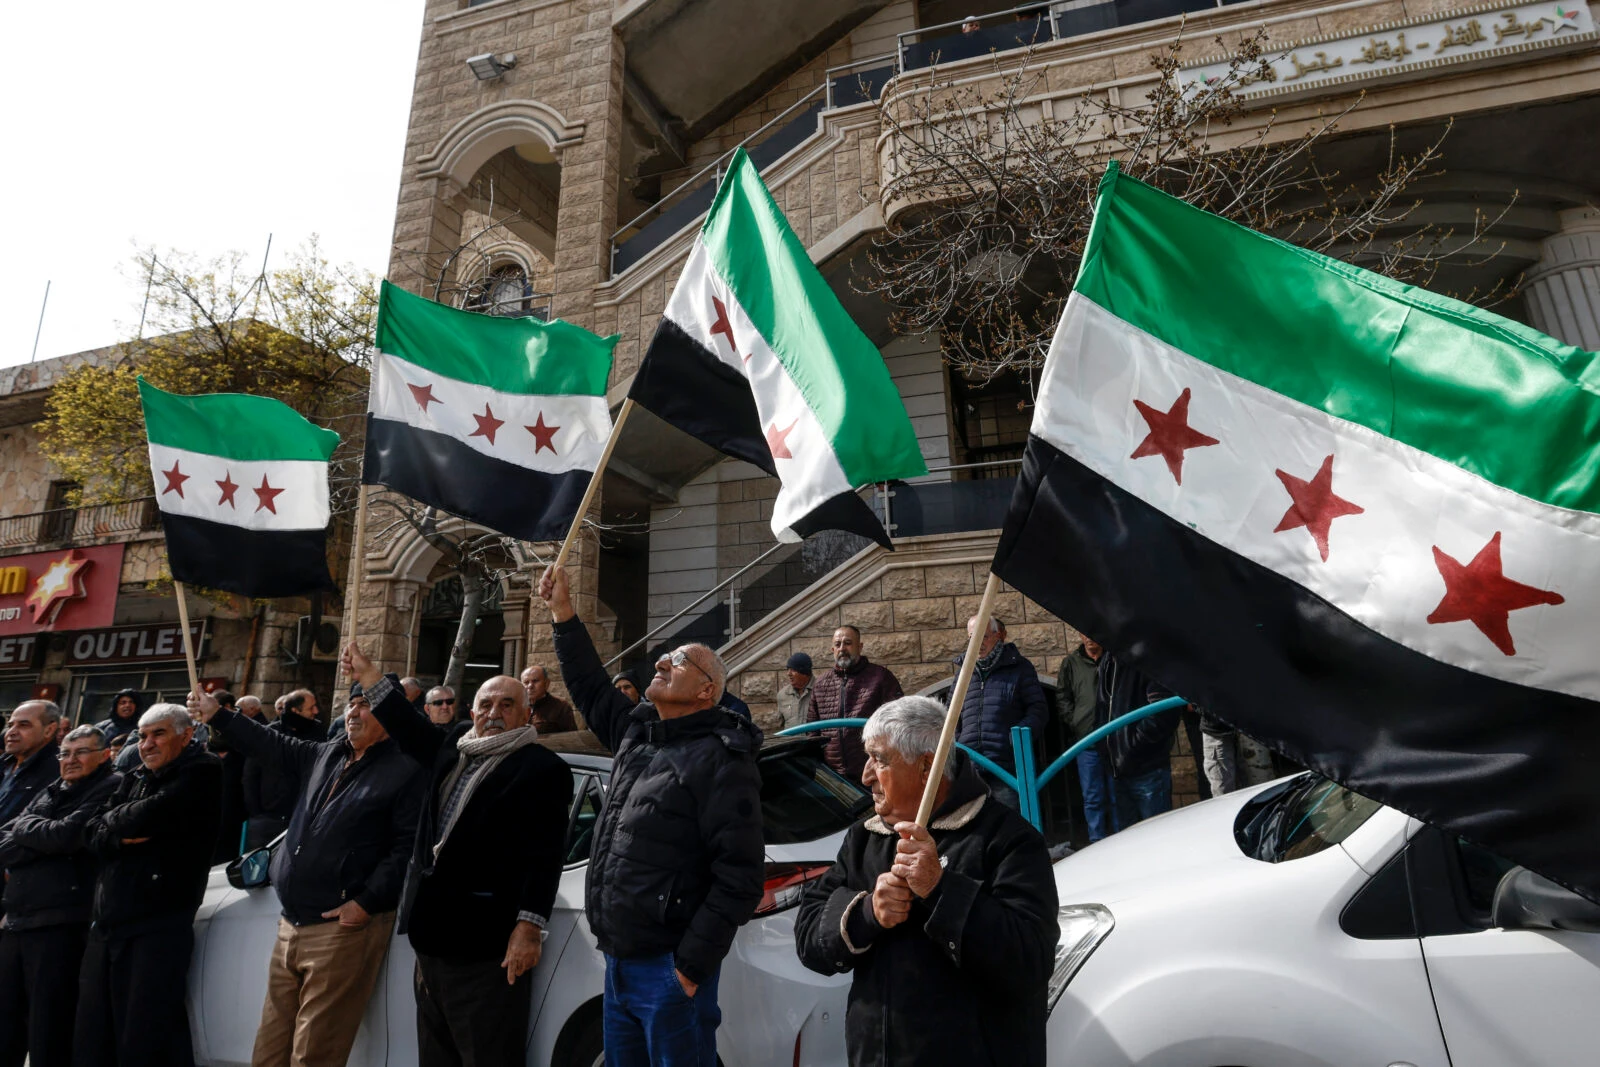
[
  {"x": 497, "y": 420},
  {"x": 756, "y": 357},
  {"x": 1354, "y": 519},
  {"x": 242, "y": 484}
]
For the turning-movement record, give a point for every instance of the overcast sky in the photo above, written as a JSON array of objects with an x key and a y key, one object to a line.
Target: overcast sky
[{"x": 201, "y": 126}]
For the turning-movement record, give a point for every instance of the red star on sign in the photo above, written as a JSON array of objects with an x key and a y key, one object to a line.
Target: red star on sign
[
  {"x": 1170, "y": 434},
  {"x": 487, "y": 424},
  {"x": 1315, "y": 505},
  {"x": 1480, "y": 593},
  {"x": 776, "y": 443},
  {"x": 423, "y": 394},
  {"x": 266, "y": 495},
  {"x": 175, "y": 479},
  {"x": 228, "y": 489},
  {"x": 722, "y": 325},
  {"x": 543, "y": 436}
]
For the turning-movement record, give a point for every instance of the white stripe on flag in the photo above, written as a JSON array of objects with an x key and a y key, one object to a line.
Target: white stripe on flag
[{"x": 275, "y": 494}]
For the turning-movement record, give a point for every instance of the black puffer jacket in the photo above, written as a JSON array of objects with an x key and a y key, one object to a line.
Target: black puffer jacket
[
  {"x": 178, "y": 811},
  {"x": 1004, "y": 694},
  {"x": 677, "y": 859},
  {"x": 348, "y": 841},
  {"x": 963, "y": 979},
  {"x": 49, "y": 871}
]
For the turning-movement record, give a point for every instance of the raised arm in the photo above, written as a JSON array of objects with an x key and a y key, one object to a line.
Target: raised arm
[
  {"x": 411, "y": 729},
  {"x": 273, "y": 749},
  {"x": 604, "y": 708}
]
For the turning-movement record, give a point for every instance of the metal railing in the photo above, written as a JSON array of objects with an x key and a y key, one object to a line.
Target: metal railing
[
  {"x": 956, "y": 505},
  {"x": 67, "y": 526}
]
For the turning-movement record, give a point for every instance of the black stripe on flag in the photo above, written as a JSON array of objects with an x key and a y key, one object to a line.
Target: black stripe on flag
[
  {"x": 1507, "y": 766},
  {"x": 254, "y": 563},
  {"x": 440, "y": 470}
]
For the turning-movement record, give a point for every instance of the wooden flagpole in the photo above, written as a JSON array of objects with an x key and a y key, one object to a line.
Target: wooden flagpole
[
  {"x": 594, "y": 482},
  {"x": 188, "y": 642},
  {"x": 358, "y": 571},
  {"x": 958, "y": 696}
]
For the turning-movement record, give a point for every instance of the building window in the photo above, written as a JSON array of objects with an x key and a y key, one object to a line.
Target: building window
[{"x": 58, "y": 515}]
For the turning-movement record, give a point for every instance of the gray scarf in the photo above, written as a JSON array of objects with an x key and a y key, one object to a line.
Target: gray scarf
[{"x": 478, "y": 757}]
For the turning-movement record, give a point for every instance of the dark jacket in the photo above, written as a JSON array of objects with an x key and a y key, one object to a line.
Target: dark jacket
[
  {"x": 353, "y": 826},
  {"x": 677, "y": 864},
  {"x": 115, "y": 726},
  {"x": 20, "y": 783},
  {"x": 852, "y": 694},
  {"x": 552, "y": 715},
  {"x": 163, "y": 878},
  {"x": 963, "y": 979},
  {"x": 274, "y": 790},
  {"x": 1076, "y": 684},
  {"x": 1004, "y": 694},
  {"x": 1146, "y": 745},
  {"x": 505, "y": 854},
  {"x": 49, "y": 871}
]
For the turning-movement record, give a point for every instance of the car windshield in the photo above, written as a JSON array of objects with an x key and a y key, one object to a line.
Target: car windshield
[
  {"x": 1300, "y": 818},
  {"x": 803, "y": 799}
]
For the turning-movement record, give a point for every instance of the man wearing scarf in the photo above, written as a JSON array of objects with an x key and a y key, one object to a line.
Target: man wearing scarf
[
  {"x": 483, "y": 876},
  {"x": 1004, "y": 692}
]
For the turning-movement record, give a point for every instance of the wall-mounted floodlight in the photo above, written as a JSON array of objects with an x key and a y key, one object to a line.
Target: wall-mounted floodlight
[{"x": 488, "y": 67}]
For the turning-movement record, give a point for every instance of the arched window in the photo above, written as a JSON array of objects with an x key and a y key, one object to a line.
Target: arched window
[{"x": 506, "y": 291}]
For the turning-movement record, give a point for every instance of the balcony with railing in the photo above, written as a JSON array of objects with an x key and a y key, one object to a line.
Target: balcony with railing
[{"x": 130, "y": 520}]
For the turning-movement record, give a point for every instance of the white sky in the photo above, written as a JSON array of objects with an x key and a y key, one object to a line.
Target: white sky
[{"x": 200, "y": 126}]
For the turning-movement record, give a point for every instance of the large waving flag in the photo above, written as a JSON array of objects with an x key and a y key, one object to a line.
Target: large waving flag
[
  {"x": 242, "y": 483},
  {"x": 497, "y": 420},
  {"x": 1353, "y": 518},
  {"x": 756, "y": 357}
]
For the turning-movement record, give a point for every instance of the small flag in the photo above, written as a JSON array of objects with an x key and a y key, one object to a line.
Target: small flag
[
  {"x": 242, "y": 484},
  {"x": 1354, "y": 519},
  {"x": 756, "y": 357},
  {"x": 497, "y": 420}
]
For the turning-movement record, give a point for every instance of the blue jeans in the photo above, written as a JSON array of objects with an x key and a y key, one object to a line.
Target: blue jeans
[
  {"x": 1142, "y": 796},
  {"x": 651, "y": 1022},
  {"x": 1095, "y": 778}
]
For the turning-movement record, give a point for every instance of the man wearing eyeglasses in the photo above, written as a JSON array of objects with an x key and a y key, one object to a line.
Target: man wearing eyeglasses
[
  {"x": 441, "y": 706},
  {"x": 676, "y": 866},
  {"x": 49, "y": 893}
]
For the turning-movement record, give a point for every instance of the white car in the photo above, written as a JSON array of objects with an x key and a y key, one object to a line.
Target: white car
[
  {"x": 775, "y": 1013},
  {"x": 1300, "y": 924}
]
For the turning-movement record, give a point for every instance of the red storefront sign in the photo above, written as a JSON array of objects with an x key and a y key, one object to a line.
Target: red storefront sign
[
  {"x": 152, "y": 642},
  {"x": 68, "y": 589}
]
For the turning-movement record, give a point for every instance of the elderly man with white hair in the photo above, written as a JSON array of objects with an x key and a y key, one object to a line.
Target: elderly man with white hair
[
  {"x": 154, "y": 843},
  {"x": 951, "y": 930}
]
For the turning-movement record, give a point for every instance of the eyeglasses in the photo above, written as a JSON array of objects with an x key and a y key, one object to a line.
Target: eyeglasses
[
  {"x": 64, "y": 755},
  {"x": 680, "y": 657},
  {"x": 441, "y": 703}
]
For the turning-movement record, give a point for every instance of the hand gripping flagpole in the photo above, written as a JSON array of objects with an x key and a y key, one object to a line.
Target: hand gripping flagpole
[
  {"x": 188, "y": 642},
  {"x": 958, "y": 696},
  {"x": 594, "y": 482},
  {"x": 358, "y": 567}
]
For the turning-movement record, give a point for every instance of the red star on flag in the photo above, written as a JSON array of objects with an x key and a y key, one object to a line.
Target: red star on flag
[
  {"x": 228, "y": 489},
  {"x": 722, "y": 325},
  {"x": 1170, "y": 434},
  {"x": 487, "y": 424},
  {"x": 423, "y": 394},
  {"x": 175, "y": 479},
  {"x": 543, "y": 436},
  {"x": 1480, "y": 593},
  {"x": 776, "y": 443},
  {"x": 266, "y": 495},
  {"x": 1315, "y": 505}
]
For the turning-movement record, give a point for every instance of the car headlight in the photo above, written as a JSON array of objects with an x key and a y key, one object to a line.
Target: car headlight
[{"x": 1083, "y": 927}]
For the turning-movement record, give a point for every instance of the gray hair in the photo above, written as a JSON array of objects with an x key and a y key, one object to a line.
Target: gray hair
[
  {"x": 440, "y": 690},
  {"x": 49, "y": 711},
  {"x": 911, "y": 726},
  {"x": 176, "y": 714},
  {"x": 251, "y": 699},
  {"x": 719, "y": 669},
  {"x": 86, "y": 731},
  {"x": 995, "y": 625}
]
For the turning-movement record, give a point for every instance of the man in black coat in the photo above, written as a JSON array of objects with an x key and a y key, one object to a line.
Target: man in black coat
[
  {"x": 49, "y": 890},
  {"x": 950, "y": 931},
  {"x": 337, "y": 874},
  {"x": 483, "y": 875},
  {"x": 677, "y": 863},
  {"x": 1140, "y": 754},
  {"x": 30, "y": 760},
  {"x": 1005, "y": 692},
  {"x": 154, "y": 844},
  {"x": 270, "y": 794}
]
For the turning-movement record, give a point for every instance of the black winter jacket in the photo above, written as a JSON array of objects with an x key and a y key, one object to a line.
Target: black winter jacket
[
  {"x": 963, "y": 978},
  {"x": 1146, "y": 745},
  {"x": 274, "y": 790},
  {"x": 36, "y": 772},
  {"x": 677, "y": 863},
  {"x": 346, "y": 841},
  {"x": 505, "y": 854},
  {"x": 1004, "y": 695},
  {"x": 115, "y": 726},
  {"x": 49, "y": 871},
  {"x": 163, "y": 878}
]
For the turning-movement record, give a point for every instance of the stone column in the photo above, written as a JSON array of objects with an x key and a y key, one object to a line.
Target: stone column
[{"x": 1563, "y": 288}]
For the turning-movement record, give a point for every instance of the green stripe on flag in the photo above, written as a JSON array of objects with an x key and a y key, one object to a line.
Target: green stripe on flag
[
  {"x": 1475, "y": 389},
  {"x": 837, "y": 369},
  {"x": 234, "y": 425},
  {"x": 512, "y": 355}
]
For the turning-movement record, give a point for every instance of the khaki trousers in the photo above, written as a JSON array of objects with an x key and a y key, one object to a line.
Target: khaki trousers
[{"x": 318, "y": 985}]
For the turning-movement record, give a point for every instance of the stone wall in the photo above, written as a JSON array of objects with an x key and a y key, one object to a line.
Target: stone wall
[{"x": 25, "y": 473}]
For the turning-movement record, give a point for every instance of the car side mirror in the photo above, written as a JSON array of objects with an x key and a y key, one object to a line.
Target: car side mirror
[
  {"x": 250, "y": 871},
  {"x": 1527, "y": 901}
]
